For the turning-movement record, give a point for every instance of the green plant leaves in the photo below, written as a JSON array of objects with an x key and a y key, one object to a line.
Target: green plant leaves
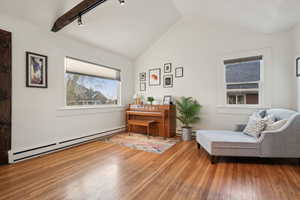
[{"x": 188, "y": 110}]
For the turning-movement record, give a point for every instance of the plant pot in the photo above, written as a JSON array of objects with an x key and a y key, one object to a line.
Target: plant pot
[{"x": 186, "y": 134}]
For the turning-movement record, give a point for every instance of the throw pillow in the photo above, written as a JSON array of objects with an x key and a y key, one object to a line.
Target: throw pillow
[
  {"x": 276, "y": 125},
  {"x": 254, "y": 127},
  {"x": 269, "y": 119}
]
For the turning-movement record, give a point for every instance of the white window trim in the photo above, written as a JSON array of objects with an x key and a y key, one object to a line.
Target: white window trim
[
  {"x": 265, "y": 89},
  {"x": 106, "y": 107}
]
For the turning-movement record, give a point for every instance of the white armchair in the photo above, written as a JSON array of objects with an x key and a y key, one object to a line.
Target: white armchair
[{"x": 282, "y": 143}]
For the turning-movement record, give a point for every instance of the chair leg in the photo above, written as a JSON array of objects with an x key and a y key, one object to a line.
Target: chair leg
[
  {"x": 129, "y": 129},
  {"x": 213, "y": 160},
  {"x": 148, "y": 131},
  {"x": 198, "y": 146}
]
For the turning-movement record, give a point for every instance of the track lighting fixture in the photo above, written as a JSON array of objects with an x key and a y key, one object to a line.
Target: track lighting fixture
[
  {"x": 80, "y": 23},
  {"x": 122, "y": 2}
]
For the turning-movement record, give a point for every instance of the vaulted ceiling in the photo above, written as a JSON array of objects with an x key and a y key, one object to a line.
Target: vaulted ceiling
[{"x": 130, "y": 29}]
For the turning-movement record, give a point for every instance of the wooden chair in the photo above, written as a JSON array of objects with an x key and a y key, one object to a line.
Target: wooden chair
[{"x": 144, "y": 123}]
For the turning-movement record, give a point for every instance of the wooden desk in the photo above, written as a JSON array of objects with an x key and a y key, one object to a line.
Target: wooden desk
[{"x": 163, "y": 115}]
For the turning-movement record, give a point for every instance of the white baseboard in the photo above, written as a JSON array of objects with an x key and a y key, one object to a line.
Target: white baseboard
[{"x": 15, "y": 157}]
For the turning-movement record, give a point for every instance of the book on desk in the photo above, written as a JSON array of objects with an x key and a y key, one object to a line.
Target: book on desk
[{"x": 163, "y": 115}]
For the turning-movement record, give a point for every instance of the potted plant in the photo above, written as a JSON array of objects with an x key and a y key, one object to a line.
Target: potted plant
[
  {"x": 188, "y": 110},
  {"x": 150, "y": 99}
]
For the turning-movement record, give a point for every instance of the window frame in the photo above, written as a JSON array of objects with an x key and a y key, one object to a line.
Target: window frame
[
  {"x": 67, "y": 107},
  {"x": 259, "y": 89}
]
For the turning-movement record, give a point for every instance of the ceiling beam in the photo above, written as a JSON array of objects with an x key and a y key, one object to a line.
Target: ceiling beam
[{"x": 80, "y": 9}]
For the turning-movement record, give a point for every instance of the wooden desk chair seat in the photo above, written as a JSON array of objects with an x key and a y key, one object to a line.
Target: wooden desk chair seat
[{"x": 144, "y": 123}]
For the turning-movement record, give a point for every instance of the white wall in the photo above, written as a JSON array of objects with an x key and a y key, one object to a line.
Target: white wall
[
  {"x": 296, "y": 51},
  {"x": 37, "y": 115},
  {"x": 199, "y": 47}
]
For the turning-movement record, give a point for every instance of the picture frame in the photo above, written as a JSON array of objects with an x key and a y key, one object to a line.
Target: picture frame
[
  {"x": 179, "y": 72},
  {"x": 143, "y": 76},
  {"x": 154, "y": 77},
  {"x": 168, "y": 81},
  {"x": 142, "y": 86},
  {"x": 36, "y": 70},
  {"x": 167, "y": 100},
  {"x": 168, "y": 68},
  {"x": 298, "y": 67}
]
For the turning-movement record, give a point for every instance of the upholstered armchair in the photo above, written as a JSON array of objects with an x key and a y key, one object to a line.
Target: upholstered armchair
[{"x": 281, "y": 143}]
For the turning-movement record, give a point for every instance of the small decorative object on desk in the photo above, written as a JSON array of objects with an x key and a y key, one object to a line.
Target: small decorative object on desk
[
  {"x": 188, "y": 110},
  {"x": 150, "y": 100},
  {"x": 138, "y": 99},
  {"x": 168, "y": 68},
  {"x": 167, "y": 100},
  {"x": 168, "y": 81},
  {"x": 154, "y": 77},
  {"x": 179, "y": 72},
  {"x": 36, "y": 73}
]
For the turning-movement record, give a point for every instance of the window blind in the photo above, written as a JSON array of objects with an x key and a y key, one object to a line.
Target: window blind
[
  {"x": 76, "y": 66},
  {"x": 240, "y": 60}
]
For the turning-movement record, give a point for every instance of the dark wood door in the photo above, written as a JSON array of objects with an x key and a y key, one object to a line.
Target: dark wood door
[{"x": 5, "y": 95}]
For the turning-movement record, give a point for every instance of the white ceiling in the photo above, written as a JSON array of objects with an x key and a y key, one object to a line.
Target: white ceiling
[
  {"x": 127, "y": 30},
  {"x": 130, "y": 29},
  {"x": 267, "y": 16}
]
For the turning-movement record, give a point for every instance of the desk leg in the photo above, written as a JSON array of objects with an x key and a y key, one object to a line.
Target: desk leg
[
  {"x": 148, "y": 131},
  {"x": 129, "y": 129}
]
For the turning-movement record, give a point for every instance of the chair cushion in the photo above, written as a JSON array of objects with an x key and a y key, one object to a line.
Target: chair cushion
[
  {"x": 228, "y": 143},
  {"x": 255, "y": 126},
  {"x": 281, "y": 113},
  {"x": 276, "y": 125}
]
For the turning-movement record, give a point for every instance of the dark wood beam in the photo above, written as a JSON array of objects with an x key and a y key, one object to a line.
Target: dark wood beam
[{"x": 80, "y": 9}]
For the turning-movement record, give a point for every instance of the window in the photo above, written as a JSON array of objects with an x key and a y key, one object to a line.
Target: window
[
  {"x": 90, "y": 84},
  {"x": 243, "y": 80}
]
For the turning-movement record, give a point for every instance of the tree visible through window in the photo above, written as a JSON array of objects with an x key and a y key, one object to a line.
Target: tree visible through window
[
  {"x": 243, "y": 78},
  {"x": 90, "y": 84}
]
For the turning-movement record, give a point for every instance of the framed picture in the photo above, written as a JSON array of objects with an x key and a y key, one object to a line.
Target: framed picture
[
  {"x": 168, "y": 68},
  {"x": 168, "y": 81},
  {"x": 167, "y": 100},
  {"x": 298, "y": 67},
  {"x": 154, "y": 77},
  {"x": 142, "y": 87},
  {"x": 143, "y": 76},
  {"x": 179, "y": 72},
  {"x": 36, "y": 70}
]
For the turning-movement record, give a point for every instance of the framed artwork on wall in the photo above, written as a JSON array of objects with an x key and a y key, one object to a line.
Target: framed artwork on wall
[
  {"x": 143, "y": 76},
  {"x": 168, "y": 81},
  {"x": 298, "y": 67},
  {"x": 168, "y": 68},
  {"x": 154, "y": 77},
  {"x": 179, "y": 72},
  {"x": 36, "y": 70},
  {"x": 142, "y": 86},
  {"x": 167, "y": 100}
]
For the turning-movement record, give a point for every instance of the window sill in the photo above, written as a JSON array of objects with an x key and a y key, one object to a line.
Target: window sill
[
  {"x": 241, "y": 106},
  {"x": 69, "y": 111},
  {"x": 238, "y": 109},
  {"x": 92, "y": 107}
]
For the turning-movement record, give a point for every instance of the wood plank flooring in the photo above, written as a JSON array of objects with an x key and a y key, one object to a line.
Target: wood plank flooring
[{"x": 108, "y": 172}]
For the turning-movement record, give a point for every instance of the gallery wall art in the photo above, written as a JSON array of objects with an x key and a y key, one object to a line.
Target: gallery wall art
[
  {"x": 36, "y": 70},
  {"x": 154, "y": 77}
]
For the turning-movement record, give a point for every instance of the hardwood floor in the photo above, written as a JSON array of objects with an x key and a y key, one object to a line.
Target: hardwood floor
[{"x": 106, "y": 171}]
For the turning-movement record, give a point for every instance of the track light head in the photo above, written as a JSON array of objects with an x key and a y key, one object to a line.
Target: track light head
[
  {"x": 122, "y": 2},
  {"x": 80, "y": 23}
]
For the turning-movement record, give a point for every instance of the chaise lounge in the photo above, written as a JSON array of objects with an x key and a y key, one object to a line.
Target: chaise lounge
[{"x": 281, "y": 143}]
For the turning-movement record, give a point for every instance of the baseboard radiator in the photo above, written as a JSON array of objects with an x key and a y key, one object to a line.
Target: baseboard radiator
[{"x": 58, "y": 146}]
